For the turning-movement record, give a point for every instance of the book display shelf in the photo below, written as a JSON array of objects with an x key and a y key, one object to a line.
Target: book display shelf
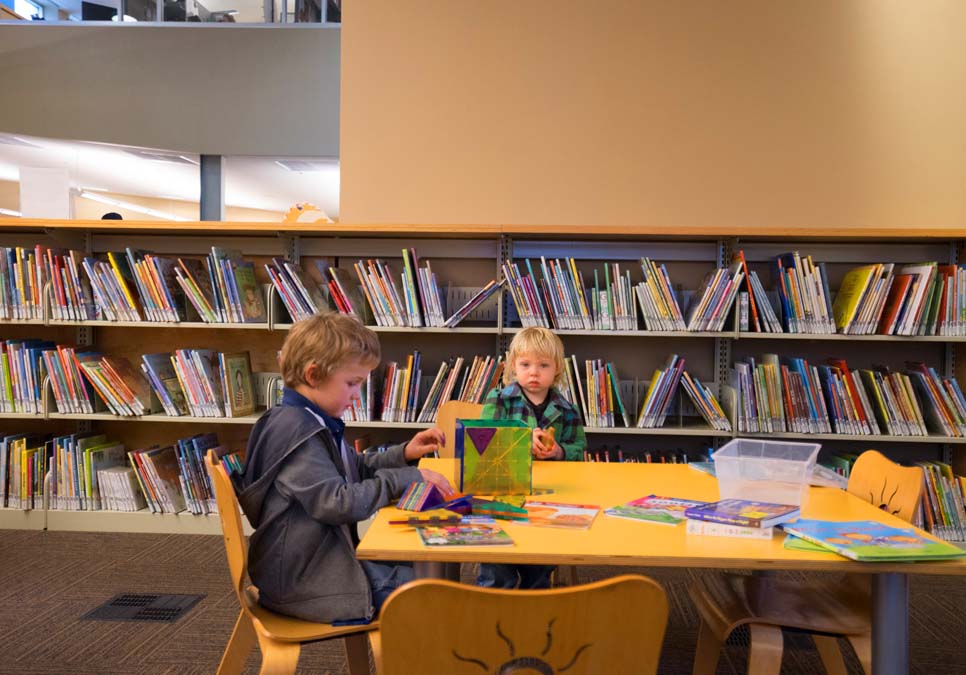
[{"x": 464, "y": 259}]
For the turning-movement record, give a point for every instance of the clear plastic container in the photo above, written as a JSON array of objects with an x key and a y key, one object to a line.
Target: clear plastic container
[{"x": 765, "y": 471}]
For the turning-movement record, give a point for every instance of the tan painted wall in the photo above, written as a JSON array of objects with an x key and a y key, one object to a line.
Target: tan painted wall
[
  {"x": 203, "y": 88},
  {"x": 9, "y": 195},
  {"x": 817, "y": 112}
]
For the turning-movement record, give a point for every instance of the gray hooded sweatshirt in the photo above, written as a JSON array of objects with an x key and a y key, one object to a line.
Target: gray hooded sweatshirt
[{"x": 295, "y": 494}]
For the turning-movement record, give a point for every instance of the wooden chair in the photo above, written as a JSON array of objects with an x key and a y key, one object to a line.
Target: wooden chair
[
  {"x": 828, "y": 610},
  {"x": 612, "y": 626},
  {"x": 446, "y": 418},
  {"x": 279, "y": 637}
]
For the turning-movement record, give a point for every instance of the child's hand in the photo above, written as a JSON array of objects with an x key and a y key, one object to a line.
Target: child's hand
[
  {"x": 424, "y": 443},
  {"x": 437, "y": 479},
  {"x": 544, "y": 445}
]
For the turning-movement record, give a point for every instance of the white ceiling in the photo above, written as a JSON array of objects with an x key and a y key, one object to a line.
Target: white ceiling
[{"x": 252, "y": 182}]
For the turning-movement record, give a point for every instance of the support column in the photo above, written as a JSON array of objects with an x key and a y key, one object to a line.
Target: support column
[{"x": 212, "y": 188}]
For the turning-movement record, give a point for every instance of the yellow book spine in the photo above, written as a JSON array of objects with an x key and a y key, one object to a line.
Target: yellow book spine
[{"x": 120, "y": 280}]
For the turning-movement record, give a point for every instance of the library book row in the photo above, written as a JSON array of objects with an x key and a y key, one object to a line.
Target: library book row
[
  {"x": 773, "y": 395},
  {"x": 90, "y": 472},
  {"x": 133, "y": 286}
]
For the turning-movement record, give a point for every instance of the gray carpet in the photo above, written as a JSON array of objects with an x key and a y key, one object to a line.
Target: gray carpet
[{"x": 48, "y": 580}]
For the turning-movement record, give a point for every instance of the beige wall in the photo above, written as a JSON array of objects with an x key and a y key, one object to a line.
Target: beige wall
[
  {"x": 804, "y": 112},
  {"x": 9, "y": 196},
  {"x": 202, "y": 88}
]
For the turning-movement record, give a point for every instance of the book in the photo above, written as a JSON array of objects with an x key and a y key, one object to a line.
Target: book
[
  {"x": 704, "y": 528},
  {"x": 462, "y": 534},
  {"x": 654, "y": 509},
  {"x": 871, "y": 541},
  {"x": 236, "y": 373},
  {"x": 744, "y": 513},
  {"x": 558, "y": 514}
]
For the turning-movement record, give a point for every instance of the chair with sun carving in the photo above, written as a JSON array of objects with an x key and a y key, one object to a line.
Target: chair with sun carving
[
  {"x": 828, "y": 610},
  {"x": 432, "y": 626}
]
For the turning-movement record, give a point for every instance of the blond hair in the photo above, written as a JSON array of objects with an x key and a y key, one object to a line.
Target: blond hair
[
  {"x": 539, "y": 341},
  {"x": 328, "y": 341}
]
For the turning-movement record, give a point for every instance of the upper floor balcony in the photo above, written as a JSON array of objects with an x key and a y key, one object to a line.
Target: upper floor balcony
[{"x": 319, "y": 12}]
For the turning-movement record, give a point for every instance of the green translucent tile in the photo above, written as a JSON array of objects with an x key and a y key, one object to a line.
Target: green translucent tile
[{"x": 494, "y": 456}]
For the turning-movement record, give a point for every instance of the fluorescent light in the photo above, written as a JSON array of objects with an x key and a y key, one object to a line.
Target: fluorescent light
[
  {"x": 8, "y": 212},
  {"x": 129, "y": 206},
  {"x": 93, "y": 189}
]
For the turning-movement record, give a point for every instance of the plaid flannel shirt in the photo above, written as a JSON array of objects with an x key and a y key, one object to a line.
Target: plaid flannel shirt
[{"x": 509, "y": 403}]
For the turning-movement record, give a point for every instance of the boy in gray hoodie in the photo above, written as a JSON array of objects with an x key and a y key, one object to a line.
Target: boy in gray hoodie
[{"x": 303, "y": 490}]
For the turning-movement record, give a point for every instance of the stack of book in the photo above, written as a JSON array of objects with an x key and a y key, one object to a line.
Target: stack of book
[
  {"x": 660, "y": 393},
  {"x": 22, "y": 372},
  {"x": 738, "y": 518},
  {"x": 849, "y": 405},
  {"x": 562, "y": 299},
  {"x": 779, "y": 397},
  {"x": 453, "y": 383},
  {"x": 706, "y": 403},
  {"x": 302, "y": 295},
  {"x": 75, "y": 470},
  {"x": 390, "y": 305},
  {"x": 223, "y": 289},
  {"x": 942, "y": 510},
  {"x": 72, "y": 392},
  {"x": 862, "y": 299},
  {"x": 173, "y": 478},
  {"x": 400, "y": 392},
  {"x": 526, "y": 295},
  {"x": 118, "y": 384},
  {"x": 22, "y": 278},
  {"x": 24, "y": 461},
  {"x": 803, "y": 295},
  {"x": 716, "y": 296},
  {"x": 201, "y": 383},
  {"x": 596, "y": 393},
  {"x": 71, "y": 296},
  {"x": 942, "y": 400},
  {"x": 655, "y": 295},
  {"x": 896, "y": 404},
  {"x": 760, "y": 316}
]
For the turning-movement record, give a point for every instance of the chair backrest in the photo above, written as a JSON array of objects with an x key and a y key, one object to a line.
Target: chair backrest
[
  {"x": 446, "y": 418},
  {"x": 893, "y": 488},
  {"x": 236, "y": 546},
  {"x": 611, "y": 626}
]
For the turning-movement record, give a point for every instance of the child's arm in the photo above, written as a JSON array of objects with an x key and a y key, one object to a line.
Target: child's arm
[{"x": 310, "y": 478}]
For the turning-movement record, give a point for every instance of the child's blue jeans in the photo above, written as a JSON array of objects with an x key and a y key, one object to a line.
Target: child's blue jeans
[{"x": 507, "y": 576}]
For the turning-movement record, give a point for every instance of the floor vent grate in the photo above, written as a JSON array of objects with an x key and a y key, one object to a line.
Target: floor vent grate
[{"x": 144, "y": 607}]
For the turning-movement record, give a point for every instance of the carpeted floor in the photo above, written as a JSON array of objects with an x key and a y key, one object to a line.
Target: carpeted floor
[{"x": 49, "y": 579}]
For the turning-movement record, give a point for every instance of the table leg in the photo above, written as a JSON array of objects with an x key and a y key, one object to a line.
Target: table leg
[
  {"x": 890, "y": 624},
  {"x": 429, "y": 570}
]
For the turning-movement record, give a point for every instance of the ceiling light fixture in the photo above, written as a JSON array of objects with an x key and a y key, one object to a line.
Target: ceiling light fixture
[
  {"x": 129, "y": 206},
  {"x": 8, "y": 212}
]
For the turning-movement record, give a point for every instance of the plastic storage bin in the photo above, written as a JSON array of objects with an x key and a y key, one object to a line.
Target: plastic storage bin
[{"x": 765, "y": 471}]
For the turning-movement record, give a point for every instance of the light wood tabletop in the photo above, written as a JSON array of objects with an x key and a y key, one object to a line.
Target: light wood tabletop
[{"x": 616, "y": 541}]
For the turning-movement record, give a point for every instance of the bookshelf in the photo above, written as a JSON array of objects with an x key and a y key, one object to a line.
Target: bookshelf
[{"x": 467, "y": 257}]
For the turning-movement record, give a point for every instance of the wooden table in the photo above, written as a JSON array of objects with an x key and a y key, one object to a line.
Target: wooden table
[{"x": 616, "y": 541}]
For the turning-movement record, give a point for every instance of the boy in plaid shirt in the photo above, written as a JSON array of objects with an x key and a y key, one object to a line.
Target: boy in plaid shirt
[{"x": 535, "y": 366}]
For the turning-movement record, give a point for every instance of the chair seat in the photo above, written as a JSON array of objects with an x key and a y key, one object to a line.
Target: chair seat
[
  {"x": 840, "y": 607},
  {"x": 289, "y": 629}
]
